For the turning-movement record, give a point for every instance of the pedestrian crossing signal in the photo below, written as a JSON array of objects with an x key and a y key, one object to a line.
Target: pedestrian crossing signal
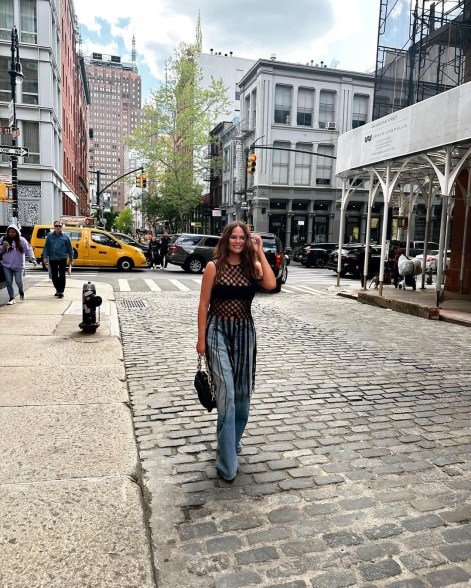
[{"x": 139, "y": 181}]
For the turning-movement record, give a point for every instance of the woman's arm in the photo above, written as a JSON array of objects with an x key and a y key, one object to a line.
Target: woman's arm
[
  {"x": 207, "y": 284},
  {"x": 268, "y": 280}
]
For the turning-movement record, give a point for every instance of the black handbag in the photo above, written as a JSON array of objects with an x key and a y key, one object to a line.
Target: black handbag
[{"x": 204, "y": 386}]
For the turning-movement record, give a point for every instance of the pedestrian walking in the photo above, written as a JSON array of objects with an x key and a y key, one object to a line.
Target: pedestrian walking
[
  {"x": 56, "y": 250},
  {"x": 396, "y": 276},
  {"x": 226, "y": 334},
  {"x": 154, "y": 253},
  {"x": 13, "y": 251},
  {"x": 164, "y": 241}
]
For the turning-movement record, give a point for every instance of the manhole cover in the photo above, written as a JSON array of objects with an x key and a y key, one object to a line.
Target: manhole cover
[{"x": 132, "y": 304}]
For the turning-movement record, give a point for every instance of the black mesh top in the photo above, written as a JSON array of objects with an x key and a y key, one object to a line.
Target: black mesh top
[{"x": 232, "y": 294}]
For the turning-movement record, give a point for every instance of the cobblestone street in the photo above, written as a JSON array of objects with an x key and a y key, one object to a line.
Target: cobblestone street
[{"x": 356, "y": 462}]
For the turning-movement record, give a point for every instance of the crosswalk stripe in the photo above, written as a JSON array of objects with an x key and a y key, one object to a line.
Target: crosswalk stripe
[
  {"x": 307, "y": 289},
  {"x": 153, "y": 286},
  {"x": 180, "y": 286},
  {"x": 124, "y": 286},
  {"x": 198, "y": 281},
  {"x": 283, "y": 289}
]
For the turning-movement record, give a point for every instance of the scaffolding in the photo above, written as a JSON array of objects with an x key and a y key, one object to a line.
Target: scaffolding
[{"x": 424, "y": 48}]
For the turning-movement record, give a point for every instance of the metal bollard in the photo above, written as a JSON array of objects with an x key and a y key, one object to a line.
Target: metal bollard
[{"x": 90, "y": 303}]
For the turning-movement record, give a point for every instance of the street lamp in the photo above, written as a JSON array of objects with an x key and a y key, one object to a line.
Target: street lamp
[{"x": 16, "y": 77}]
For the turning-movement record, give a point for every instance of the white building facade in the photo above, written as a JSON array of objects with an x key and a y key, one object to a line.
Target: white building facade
[
  {"x": 294, "y": 115},
  {"x": 229, "y": 69},
  {"x": 38, "y": 109}
]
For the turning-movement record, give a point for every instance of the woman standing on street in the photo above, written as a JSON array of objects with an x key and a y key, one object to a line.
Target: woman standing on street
[
  {"x": 154, "y": 253},
  {"x": 226, "y": 333},
  {"x": 13, "y": 250}
]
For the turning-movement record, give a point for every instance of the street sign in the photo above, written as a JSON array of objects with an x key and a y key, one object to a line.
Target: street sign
[
  {"x": 18, "y": 151},
  {"x": 9, "y": 131},
  {"x": 5, "y": 178}
]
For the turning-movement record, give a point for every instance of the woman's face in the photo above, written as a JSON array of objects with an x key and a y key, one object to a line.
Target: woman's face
[
  {"x": 11, "y": 233},
  {"x": 237, "y": 240}
]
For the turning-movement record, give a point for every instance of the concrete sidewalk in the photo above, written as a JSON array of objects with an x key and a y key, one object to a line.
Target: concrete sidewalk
[
  {"x": 70, "y": 494},
  {"x": 454, "y": 308}
]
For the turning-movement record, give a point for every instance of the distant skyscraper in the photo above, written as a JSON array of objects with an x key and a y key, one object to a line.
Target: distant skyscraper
[{"x": 115, "y": 112}]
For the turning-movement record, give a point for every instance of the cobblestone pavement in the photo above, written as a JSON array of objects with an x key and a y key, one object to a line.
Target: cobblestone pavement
[{"x": 356, "y": 464}]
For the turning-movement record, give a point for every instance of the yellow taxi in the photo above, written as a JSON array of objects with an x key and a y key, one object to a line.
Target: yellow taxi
[{"x": 92, "y": 248}]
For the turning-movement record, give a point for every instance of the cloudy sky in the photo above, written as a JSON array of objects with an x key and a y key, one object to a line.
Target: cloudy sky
[{"x": 341, "y": 33}]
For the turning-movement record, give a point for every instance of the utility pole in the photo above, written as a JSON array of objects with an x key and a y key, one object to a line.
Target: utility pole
[{"x": 16, "y": 75}]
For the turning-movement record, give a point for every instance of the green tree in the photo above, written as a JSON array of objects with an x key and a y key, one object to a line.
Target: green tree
[
  {"x": 110, "y": 219},
  {"x": 173, "y": 139},
  {"x": 124, "y": 221}
]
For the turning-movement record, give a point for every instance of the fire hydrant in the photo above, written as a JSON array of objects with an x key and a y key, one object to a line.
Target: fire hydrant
[{"x": 90, "y": 303}]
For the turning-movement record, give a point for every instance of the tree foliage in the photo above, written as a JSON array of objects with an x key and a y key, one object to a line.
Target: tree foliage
[
  {"x": 124, "y": 221},
  {"x": 110, "y": 218},
  {"x": 173, "y": 139}
]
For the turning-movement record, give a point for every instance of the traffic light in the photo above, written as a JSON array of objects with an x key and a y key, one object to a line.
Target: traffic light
[
  {"x": 139, "y": 181},
  {"x": 251, "y": 163},
  {"x": 143, "y": 180}
]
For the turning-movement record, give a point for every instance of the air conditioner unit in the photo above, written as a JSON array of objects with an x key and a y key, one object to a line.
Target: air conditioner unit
[
  {"x": 322, "y": 125},
  {"x": 331, "y": 126}
]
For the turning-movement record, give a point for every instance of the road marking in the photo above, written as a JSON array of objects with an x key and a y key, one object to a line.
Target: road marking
[
  {"x": 198, "y": 281},
  {"x": 309, "y": 290},
  {"x": 287, "y": 291},
  {"x": 153, "y": 286},
  {"x": 124, "y": 286},
  {"x": 180, "y": 286}
]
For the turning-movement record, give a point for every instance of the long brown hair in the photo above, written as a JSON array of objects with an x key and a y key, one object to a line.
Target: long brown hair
[{"x": 247, "y": 256}]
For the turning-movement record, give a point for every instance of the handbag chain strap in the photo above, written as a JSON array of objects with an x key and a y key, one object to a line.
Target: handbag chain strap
[{"x": 206, "y": 370}]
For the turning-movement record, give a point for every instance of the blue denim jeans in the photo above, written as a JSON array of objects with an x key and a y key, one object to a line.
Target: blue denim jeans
[
  {"x": 230, "y": 348},
  {"x": 9, "y": 275}
]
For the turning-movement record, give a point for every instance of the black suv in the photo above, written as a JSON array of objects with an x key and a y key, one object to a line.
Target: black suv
[
  {"x": 350, "y": 260},
  {"x": 276, "y": 258},
  {"x": 192, "y": 252},
  {"x": 316, "y": 254}
]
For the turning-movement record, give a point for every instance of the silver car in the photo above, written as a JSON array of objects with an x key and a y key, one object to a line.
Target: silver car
[{"x": 192, "y": 252}]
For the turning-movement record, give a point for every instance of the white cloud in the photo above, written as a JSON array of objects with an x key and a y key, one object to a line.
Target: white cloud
[{"x": 342, "y": 30}]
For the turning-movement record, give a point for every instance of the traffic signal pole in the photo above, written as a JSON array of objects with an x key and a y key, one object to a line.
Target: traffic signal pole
[{"x": 99, "y": 190}]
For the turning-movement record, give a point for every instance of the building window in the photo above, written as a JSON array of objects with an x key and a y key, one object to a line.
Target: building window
[
  {"x": 31, "y": 141},
  {"x": 326, "y": 108},
  {"x": 5, "y": 89},
  {"x": 324, "y": 165},
  {"x": 254, "y": 109},
  {"x": 226, "y": 160},
  {"x": 302, "y": 165},
  {"x": 5, "y": 141},
  {"x": 282, "y": 105},
  {"x": 360, "y": 111},
  {"x": 281, "y": 163},
  {"x": 305, "y": 107},
  {"x": 29, "y": 89},
  {"x": 6, "y": 19},
  {"x": 29, "y": 28}
]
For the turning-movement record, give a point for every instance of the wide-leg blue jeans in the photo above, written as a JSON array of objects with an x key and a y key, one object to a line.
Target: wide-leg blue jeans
[{"x": 230, "y": 349}]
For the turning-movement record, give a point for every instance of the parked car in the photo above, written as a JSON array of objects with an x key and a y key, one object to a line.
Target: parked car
[
  {"x": 130, "y": 241},
  {"x": 316, "y": 254},
  {"x": 92, "y": 248},
  {"x": 192, "y": 252},
  {"x": 276, "y": 257},
  {"x": 350, "y": 262}
]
